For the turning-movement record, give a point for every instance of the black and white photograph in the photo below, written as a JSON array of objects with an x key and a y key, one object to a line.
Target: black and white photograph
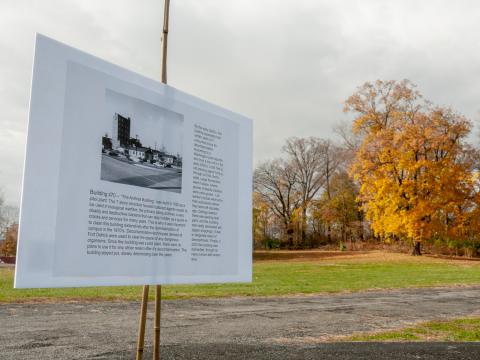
[{"x": 141, "y": 144}]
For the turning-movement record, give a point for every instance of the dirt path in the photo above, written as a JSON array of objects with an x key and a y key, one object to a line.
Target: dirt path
[{"x": 225, "y": 328}]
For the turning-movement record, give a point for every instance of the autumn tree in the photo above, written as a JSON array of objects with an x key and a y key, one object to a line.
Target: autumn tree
[
  {"x": 8, "y": 227},
  {"x": 413, "y": 164},
  {"x": 262, "y": 221},
  {"x": 339, "y": 207},
  {"x": 9, "y": 244}
]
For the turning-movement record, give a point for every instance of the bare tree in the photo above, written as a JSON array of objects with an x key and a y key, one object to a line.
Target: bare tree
[
  {"x": 2, "y": 213},
  {"x": 314, "y": 160},
  {"x": 8, "y": 215},
  {"x": 350, "y": 141},
  {"x": 277, "y": 183}
]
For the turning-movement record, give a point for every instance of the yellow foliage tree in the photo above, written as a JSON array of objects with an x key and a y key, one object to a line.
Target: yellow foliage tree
[
  {"x": 262, "y": 218},
  {"x": 9, "y": 245},
  {"x": 338, "y": 207},
  {"x": 414, "y": 168}
]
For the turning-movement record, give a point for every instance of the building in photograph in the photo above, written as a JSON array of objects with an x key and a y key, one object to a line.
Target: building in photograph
[
  {"x": 106, "y": 143},
  {"x": 137, "y": 153},
  {"x": 167, "y": 158},
  {"x": 123, "y": 147},
  {"x": 120, "y": 131},
  {"x": 151, "y": 155}
]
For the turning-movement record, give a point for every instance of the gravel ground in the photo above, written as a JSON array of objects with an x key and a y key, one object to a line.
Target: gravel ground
[{"x": 294, "y": 327}]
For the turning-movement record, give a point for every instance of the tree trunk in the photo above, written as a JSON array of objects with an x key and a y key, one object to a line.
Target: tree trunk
[
  {"x": 416, "y": 251},
  {"x": 290, "y": 236},
  {"x": 304, "y": 226}
]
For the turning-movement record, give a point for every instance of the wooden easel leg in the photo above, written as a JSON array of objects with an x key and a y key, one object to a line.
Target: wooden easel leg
[
  {"x": 156, "y": 340},
  {"x": 143, "y": 318},
  {"x": 158, "y": 288}
]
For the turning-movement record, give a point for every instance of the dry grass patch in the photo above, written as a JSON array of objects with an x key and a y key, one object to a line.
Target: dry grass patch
[{"x": 445, "y": 330}]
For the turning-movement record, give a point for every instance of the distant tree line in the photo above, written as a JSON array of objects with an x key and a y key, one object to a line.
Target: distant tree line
[
  {"x": 402, "y": 173},
  {"x": 8, "y": 229}
]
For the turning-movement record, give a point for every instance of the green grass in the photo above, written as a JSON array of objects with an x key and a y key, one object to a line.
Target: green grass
[
  {"x": 282, "y": 278},
  {"x": 452, "y": 330}
]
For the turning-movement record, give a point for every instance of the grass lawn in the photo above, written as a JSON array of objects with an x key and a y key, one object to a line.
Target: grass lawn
[
  {"x": 451, "y": 330},
  {"x": 325, "y": 274}
]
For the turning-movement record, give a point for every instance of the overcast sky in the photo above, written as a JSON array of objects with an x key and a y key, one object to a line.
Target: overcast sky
[{"x": 289, "y": 65}]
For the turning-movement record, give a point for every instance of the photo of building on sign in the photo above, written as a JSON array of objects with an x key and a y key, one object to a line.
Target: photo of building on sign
[{"x": 142, "y": 144}]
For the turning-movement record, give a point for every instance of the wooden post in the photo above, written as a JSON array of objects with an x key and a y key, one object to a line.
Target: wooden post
[
  {"x": 143, "y": 318},
  {"x": 166, "y": 12},
  {"x": 158, "y": 288},
  {"x": 163, "y": 78},
  {"x": 156, "y": 339}
]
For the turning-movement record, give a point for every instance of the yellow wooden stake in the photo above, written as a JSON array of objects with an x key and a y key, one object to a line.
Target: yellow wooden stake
[
  {"x": 156, "y": 339},
  {"x": 143, "y": 318},
  {"x": 158, "y": 288},
  {"x": 166, "y": 12}
]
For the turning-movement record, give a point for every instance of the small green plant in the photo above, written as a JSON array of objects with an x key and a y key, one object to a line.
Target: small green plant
[{"x": 272, "y": 244}]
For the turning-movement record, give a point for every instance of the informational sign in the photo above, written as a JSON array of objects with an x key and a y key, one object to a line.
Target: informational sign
[{"x": 129, "y": 181}]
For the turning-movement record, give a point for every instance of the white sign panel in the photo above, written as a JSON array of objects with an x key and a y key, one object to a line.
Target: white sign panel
[{"x": 129, "y": 181}]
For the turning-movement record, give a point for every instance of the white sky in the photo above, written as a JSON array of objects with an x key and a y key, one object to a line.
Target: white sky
[{"x": 289, "y": 65}]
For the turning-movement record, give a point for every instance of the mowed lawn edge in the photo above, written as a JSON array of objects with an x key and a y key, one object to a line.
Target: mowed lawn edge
[
  {"x": 281, "y": 277},
  {"x": 464, "y": 330}
]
